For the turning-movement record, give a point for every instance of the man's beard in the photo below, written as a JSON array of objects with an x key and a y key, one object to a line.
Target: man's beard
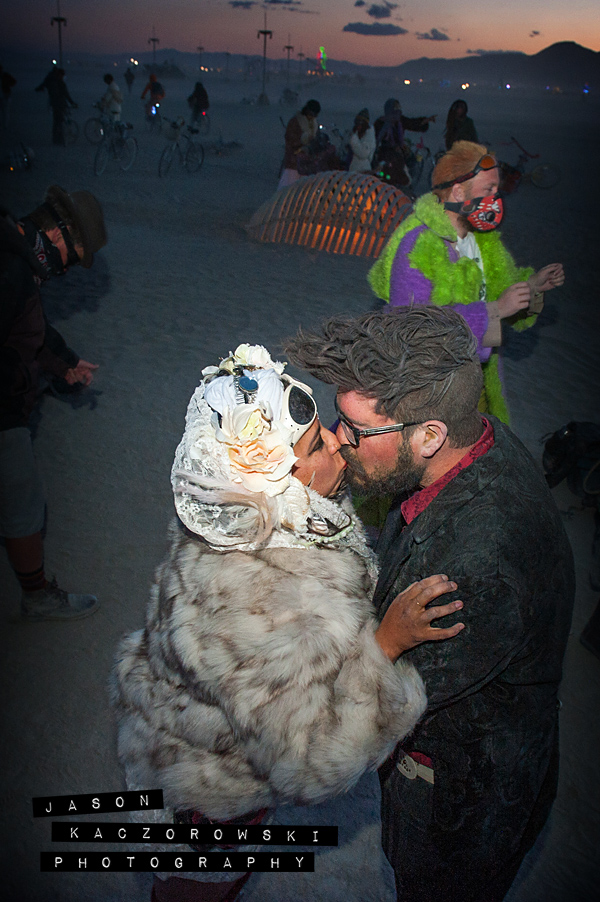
[{"x": 403, "y": 479}]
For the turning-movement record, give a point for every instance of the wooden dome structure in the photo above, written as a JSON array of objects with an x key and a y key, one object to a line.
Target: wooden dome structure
[{"x": 338, "y": 212}]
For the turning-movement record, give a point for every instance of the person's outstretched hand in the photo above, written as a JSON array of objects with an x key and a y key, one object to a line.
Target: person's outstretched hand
[
  {"x": 407, "y": 621},
  {"x": 83, "y": 372},
  {"x": 548, "y": 277}
]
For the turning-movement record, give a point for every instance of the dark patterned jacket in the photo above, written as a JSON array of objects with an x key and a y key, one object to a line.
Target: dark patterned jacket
[
  {"x": 491, "y": 723},
  {"x": 29, "y": 345}
]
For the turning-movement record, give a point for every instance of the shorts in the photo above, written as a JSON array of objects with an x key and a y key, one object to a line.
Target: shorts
[{"x": 22, "y": 499}]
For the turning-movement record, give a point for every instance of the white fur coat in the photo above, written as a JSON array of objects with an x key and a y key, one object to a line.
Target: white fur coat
[{"x": 257, "y": 679}]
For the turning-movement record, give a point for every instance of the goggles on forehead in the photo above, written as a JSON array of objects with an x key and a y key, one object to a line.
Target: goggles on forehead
[
  {"x": 486, "y": 163},
  {"x": 298, "y": 407}
]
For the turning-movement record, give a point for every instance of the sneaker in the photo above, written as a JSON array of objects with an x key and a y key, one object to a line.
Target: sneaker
[{"x": 53, "y": 603}]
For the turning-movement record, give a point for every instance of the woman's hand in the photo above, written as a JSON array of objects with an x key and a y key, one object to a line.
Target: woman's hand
[{"x": 407, "y": 621}]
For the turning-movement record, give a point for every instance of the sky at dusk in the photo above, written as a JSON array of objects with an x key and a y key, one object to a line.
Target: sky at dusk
[{"x": 378, "y": 33}]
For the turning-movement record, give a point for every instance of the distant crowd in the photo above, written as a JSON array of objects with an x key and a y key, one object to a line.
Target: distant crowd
[{"x": 381, "y": 148}]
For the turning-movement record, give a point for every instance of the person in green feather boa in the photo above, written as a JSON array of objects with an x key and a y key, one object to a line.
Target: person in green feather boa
[{"x": 448, "y": 252}]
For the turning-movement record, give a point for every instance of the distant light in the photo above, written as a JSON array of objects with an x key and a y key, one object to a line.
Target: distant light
[
  {"x": 508, "y": 87},
  {"x": 54, "y": 62},
  {"x": 465, "y": 86},
  {"x": 420, "y": 81},
  {"x": 407, "y": 81}
]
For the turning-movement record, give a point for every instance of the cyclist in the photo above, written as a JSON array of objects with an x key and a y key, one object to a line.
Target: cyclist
[
  {"x": 112, "y": 99},
  {"x": 198, "y": 102},
  {"x": 391, "y": 154},
  {"x": 156, "y": 91}
]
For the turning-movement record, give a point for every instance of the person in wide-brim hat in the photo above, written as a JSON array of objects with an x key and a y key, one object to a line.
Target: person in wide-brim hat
[{"x": 82, "y": 214}]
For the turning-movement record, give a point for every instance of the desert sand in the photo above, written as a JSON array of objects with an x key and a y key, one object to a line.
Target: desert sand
[{"x": 179, "y": 285}]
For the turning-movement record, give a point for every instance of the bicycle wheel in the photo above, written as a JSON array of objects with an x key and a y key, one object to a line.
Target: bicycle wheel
[
  {"x": 101, "y": 158},
  {"x": 194, "y": 157},
  {"x": 127, "y": 152},
  {"x": 166, "y": 158},
  {"x": 93, "y": 130},
  {"x": 203, "y": 123},
  {"x": 545, "y": 176},
  {"x": 71, "y": 131}
]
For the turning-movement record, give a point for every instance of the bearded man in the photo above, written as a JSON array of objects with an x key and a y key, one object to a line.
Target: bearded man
[
  {"x": 447, "y": 253},
  {"x": 470, "y": 789}
]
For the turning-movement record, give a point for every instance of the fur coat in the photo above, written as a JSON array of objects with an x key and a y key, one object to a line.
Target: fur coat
[{"x": 257, "y": 679}]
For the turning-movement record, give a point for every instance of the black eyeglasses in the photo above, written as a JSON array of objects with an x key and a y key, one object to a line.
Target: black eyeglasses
[{"x": 354, "y": 435}]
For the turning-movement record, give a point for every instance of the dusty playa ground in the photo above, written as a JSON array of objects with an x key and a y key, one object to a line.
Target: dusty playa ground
[{"x": 178, "y": 286}]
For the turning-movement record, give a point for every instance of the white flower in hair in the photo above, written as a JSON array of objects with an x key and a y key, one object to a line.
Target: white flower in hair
[
  {"x": 259, "y": 449},
  {"x": 256, "y": 356}
]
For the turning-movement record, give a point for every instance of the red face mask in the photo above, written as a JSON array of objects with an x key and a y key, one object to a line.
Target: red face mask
[{"x": 483, "y": 213}]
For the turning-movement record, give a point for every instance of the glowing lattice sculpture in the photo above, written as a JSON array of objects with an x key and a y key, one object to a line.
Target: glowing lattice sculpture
[{"x": 338, "y": 212}]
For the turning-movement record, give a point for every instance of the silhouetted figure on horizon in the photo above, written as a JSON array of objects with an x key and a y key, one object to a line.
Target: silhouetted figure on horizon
[
  {"x": 129, "y": 78},
  {"x": 60, "y": 101}
]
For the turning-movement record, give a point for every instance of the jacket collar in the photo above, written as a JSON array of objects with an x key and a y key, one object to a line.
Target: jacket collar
[{"x": 430, "y": 211}]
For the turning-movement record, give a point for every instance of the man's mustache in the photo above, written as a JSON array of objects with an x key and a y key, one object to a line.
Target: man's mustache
[{"x": 348, "y": 454}]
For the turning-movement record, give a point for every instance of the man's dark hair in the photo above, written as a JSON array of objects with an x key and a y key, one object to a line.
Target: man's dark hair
[{"x": 418, "y": 363}]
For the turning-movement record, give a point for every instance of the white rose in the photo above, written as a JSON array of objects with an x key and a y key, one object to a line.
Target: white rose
[{"x": 256, "y": 356}]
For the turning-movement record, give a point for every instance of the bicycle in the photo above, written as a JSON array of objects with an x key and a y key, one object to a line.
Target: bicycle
[
  {"x": 543, "y": 175},
  {"x": 153, "y": 116},
  {"x": 202, "y": 123},
  {"x": 95, "y": 127},
  {"x": 115, "y": 145},
  {"x": 190, "y": 152}
]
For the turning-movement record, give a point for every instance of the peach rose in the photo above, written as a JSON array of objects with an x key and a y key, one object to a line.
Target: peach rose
[{"x": 260, "y": 455}]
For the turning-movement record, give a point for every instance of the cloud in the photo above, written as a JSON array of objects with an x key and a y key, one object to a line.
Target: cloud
[
  {"x": 433, "y": 35},
  {"x": 487, "y": 52},
  {"x": 289, "y": 5},
  {"x": 375, "y": 30},
  {"x": 534, "y": 34},
  {"x": 360, "y": 3},
  {"x": 383, "y": 11}
]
